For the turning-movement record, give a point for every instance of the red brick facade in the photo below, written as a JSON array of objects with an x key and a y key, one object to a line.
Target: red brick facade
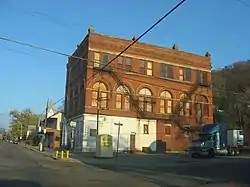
[{"x": 141, "y": 68}]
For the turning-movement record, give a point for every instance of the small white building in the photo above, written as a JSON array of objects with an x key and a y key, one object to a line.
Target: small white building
[{"x": 134, "y": 133}]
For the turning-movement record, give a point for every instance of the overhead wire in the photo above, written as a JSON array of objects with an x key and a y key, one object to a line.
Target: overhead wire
[
  {"x": 84, "y": 59},
  {"x": 81, "y": 58},
  {"x": 141, "y": 36}
]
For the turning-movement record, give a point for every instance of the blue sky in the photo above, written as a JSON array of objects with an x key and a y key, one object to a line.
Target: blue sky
[{"x": 29, "y": 76}]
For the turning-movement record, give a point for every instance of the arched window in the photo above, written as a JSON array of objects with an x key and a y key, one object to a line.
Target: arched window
[
  {"x": 166, "y": 102},
  {"x": 185, "y": 109},
  {"x": 145, "y": 99},
  {"x": 122, "y": 98},
  {"x": 103, "y": 95},
  {"x": 202, "y": 106}
]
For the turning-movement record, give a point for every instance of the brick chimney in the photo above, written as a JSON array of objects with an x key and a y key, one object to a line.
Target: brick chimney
[
  {"x": 175, "y": 47},
  {"x": 91, "y": 29},
  {"x": 208, "y": 54},
  {"x": 134, "y": 38}
]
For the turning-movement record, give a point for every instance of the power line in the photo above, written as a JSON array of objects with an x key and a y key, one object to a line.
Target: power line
[
  {"x": 40, "y": 48},
  {"x": 142, "y": 35},
  {"x": 76, "y": 57},
  {"x": 59, "y": 100}
]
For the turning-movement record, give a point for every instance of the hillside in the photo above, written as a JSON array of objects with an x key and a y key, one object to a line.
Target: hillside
[{"x": 231, "y": 89}]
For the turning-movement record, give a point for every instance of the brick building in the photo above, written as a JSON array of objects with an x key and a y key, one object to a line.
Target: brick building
[{"x": 142, "y": 89}]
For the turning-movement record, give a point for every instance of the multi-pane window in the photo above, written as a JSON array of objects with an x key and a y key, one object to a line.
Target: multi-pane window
[
  {"x": 149, "y": 68},
  {"x": 166, "y": 102},
  {"x": 202, "y": 106},
  {"x": 122, "y": 99},
  {"x": 125, "y": 63},
  {"x": 145, "y": 129},
  {"x": 97, "y": 60},
  {"x": 185, "y": 105},
  {"x": 145, "y": 100},
  {"x": 120, "y": 60},
  {"x": 201, "y": 77},
  {"x": 99, "y": 94},
  {"x": 105, "y": 59},
  {"x": 185, "y": 74},
  {"x": 128, "y": 65},
  {"x": 146, "y": 68},
  {"x": 166, "y": 71},
  {"x": 142, "y": 67},
  {"x": 126, "y": 103}
]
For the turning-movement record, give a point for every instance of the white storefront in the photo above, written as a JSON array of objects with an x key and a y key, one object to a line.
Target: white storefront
[{"x": 134, "y": 132}]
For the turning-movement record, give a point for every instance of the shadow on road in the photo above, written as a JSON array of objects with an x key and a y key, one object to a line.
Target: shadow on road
[
  {"x": 18, "y": 183},
  {"x": 219, "y": 169}
]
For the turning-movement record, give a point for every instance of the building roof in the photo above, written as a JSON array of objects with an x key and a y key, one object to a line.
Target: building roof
[{"x": 173, "y": 48}]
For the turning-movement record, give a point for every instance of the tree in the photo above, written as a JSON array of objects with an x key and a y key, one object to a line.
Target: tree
[
  {"x": 61, "y": 107},
  {"x": 20, "y": 121},
  {"x": 231, "y": 90}
]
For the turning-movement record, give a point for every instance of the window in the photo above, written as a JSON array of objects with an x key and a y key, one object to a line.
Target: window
[
  {"x": 181, "y": 74},
  {"x": 127, "y": 103},
  {"x": 128, "y": 64},
  {"x": 167, "y": 129},
  {"x": 185, "y": 74},
  {"x": 105, "y": 59},
  {"x": 143, "y": 67},
  {"x": 96, "y": 59},
  {"x": 166, "y": 71},
  {"x": 145, "y": 99},
  {"x": 122, "y": 98},
  {"x": 145, "y": 129},
  {"x": 201, "y": 77},
  {"x": 118, "y": 103},
  {"x": 93, "y": 132},
  {"x": 202, "y": 106},
  {"x": 103, "y": 95},
  {"x": 149, "y": 68},
  {"x": 166, "y": 102},
  {"x": 185, "y": 109},
  {"x": 120, "y": 60},
  {"x": 146, "y": 68},
  {"x": 188, "y": 75}
]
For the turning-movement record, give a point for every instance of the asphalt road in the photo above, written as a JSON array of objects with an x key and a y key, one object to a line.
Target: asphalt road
[
  {"x": 21, "y": 167},
  {"x": 163, "y": 169}
]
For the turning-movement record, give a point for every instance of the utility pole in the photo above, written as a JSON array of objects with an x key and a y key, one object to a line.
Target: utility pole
[
  {"x": 118, "y": 138},
  {"x": 44, "y": 127},
  {"x": 98, "y": 111}
]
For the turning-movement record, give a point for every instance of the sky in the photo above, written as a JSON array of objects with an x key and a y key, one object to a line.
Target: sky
[{"x": 29, "y": 76}]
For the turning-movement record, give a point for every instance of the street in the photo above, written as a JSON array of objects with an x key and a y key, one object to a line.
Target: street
[
  {"x": 180, "y": 169},
  {"x": 20, "y": 167}
]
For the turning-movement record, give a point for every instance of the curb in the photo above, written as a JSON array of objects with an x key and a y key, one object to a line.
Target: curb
[
  {"x": 176, "y": 152},
  {"x": 35, "y": 150},
  {"x": 48, "y": 155}
]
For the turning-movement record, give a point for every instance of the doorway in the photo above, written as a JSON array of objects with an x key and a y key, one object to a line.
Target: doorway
[{"x": 132, "y": 143}]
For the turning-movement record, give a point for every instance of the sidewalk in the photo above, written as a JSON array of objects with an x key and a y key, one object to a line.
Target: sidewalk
[
  {"x": 47, "y": 152},
  {"x": 50, "y": 153}
]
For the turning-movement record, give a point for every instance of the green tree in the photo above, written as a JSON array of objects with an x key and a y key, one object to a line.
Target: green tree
[{"x": 20, "y": 121}]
